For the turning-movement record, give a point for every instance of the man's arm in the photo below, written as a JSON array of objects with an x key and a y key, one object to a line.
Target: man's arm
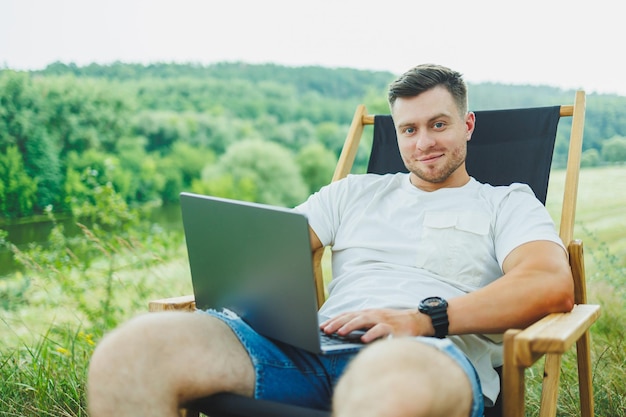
[
  {"x": 537, "y": 281},
  {"x": 316, "y": 243}
]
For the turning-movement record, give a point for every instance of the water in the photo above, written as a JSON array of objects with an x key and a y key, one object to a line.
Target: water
[{"x": 21, "y": 235}]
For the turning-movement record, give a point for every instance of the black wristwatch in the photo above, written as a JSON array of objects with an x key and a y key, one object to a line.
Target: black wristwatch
[{"x": 437, "y": 309}]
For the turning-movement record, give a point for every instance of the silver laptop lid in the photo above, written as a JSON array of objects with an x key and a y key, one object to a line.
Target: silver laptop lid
[{"x": 255, "y": 260}]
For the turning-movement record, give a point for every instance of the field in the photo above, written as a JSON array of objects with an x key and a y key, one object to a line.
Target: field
[
  {"x": 53, "y": 314},
  {"x": 601, "y": 208}
]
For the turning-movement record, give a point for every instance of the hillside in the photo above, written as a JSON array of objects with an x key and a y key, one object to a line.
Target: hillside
[{"x": 121, "y": 124}]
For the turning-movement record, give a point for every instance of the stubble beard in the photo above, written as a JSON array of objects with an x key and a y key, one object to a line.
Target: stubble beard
[{"x": 439, "y": 175}]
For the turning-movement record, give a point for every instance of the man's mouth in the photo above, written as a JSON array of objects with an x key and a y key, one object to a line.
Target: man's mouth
[{"x": 430, "y": 158}]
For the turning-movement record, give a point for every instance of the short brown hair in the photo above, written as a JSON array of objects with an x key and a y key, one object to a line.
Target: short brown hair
[{"x": 425, "y": 77}]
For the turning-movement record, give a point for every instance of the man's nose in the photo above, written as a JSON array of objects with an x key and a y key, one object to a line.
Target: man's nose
[{"x": 423, "y": 141}]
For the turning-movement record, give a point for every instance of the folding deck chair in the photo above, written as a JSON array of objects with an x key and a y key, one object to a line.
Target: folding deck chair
[{"x": 507, "y": 146}]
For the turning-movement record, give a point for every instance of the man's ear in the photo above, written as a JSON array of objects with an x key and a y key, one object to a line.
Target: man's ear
[{"x": 470, "y": 123}]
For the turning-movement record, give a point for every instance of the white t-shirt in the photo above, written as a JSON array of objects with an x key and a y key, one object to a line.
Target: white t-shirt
[{"x": 394, "y": 244}]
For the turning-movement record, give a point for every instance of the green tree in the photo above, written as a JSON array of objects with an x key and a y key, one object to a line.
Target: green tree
[
  {"x": 151, "y": 179},
  {"x": 141, "y": 176},
  {"x": 85, "y": 114},
  {"x": 17, "y": 189},
  {"x": 190, "y": 161},
  {"x": 161, "y": 129},
  {"x": 215, "y": 132},
  {"x": 590, "y": 158},
  {"x": 614, "y": 149},
  {"x": 271, "y": 168},
  {"x": 224, "y": 185},
  {"x": 85, "y": 172},
  {"x": 23, "y": 124},
  {"x": 296, "y": 135},
  {"x": 331, "y": 135},
  {"x": 317, "y": 165},
  {"x": 19, "y": 109},
  {"x": 43, "y": 164},
  {"x": 102, "y": 204}
]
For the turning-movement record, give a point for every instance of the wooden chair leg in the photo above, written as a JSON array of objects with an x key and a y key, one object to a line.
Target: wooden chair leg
[
  {"x": 550, "y": 388},
  {"x": 585, "y": 385},
  {"x": 513, "y": 378}
]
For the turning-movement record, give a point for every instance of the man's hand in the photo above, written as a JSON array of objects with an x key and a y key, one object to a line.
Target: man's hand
[{"x": 380, "y": 323}]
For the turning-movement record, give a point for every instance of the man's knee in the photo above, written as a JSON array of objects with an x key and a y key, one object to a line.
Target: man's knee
[
  {"x": 406, "y": 376},
  {"x": 123, "y": 365},
  {"x": 130, "y": 351}
]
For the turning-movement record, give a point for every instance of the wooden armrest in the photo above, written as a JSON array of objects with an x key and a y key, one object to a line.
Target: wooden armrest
[
  {"x": 182, "y": 303},
  {"x": 555, "y": 333}
]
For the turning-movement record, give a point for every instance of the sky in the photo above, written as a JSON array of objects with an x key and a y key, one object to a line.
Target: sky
[{"x": 570, "y": 44}]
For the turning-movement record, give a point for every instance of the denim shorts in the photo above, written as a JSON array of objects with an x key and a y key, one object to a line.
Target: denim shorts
[{"x": 291, "y": 375}]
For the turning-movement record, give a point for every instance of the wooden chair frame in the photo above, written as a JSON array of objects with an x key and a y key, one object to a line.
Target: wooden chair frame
[{"x": 551, "y": 336}]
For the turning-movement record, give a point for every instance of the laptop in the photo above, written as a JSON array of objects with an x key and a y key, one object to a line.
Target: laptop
[{"x": 255, "y": 260}]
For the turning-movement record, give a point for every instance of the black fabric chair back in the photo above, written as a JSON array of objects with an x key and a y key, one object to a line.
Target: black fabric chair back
[{"x": 507, "y": 146}]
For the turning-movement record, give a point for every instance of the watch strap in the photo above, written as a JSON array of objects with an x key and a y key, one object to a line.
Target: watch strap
[{"x": 439, "y": 317}]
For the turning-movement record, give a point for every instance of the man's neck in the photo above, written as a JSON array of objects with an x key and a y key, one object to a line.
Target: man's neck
[{"x": 456, "y": 180}]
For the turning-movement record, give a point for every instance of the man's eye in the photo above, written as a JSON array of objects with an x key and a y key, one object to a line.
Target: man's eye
[
  {"x": 439, "y": 125},
  {"x": 409, "y": 130}
]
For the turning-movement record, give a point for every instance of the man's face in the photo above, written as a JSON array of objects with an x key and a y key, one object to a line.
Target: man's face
[{"x": 432, "y": 138}]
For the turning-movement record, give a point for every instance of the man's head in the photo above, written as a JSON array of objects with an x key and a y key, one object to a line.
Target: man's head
[
  {"x": 429, "y": 110},
  {"x": 425, "y": 77}
]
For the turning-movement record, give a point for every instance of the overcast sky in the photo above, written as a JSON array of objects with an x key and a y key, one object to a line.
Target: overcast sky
[{"x": 562, "y": 43}]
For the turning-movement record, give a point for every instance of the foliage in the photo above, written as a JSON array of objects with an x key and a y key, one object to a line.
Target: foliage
[
  {"x": 269, "y": 166},
  {"x": 45, "y": 119},
  {"x": 590, "y": 158},
  {"x": 129, "y": 123},
  {"x": 226, "y": 186},
  {"x": 345, "y": 82},
  {"x": 84, "y": 114},
  {"x": 317, "y": 165},
  {"x": 614, "y": 149},
  {"x": 17, "y": 188},
  {"x": 48, "y": 378}
]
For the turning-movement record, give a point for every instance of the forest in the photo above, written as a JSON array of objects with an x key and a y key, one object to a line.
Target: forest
[{"x": 265, "y": 133}]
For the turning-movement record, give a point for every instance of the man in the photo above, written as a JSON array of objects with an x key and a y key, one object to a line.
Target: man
[{"x": 476, "y": 259}]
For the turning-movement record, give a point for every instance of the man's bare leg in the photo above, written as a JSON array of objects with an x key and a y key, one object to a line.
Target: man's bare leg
[
  {"x": 155, "y": 362},
  {"x": 403, "y": 378}
]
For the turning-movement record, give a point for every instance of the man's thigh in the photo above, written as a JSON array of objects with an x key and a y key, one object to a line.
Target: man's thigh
[{"x": 158, "y": 356}]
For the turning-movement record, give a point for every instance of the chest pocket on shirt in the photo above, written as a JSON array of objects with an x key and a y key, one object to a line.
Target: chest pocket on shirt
[{"x": 455, "y": 246}]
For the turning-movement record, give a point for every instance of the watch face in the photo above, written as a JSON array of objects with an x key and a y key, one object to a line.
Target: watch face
[{"x": 432, "y": 302}]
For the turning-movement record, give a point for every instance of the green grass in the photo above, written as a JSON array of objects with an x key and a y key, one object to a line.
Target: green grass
[
  {"x": 53, "y": 314},
  {"x": 46, "y": 378}
]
